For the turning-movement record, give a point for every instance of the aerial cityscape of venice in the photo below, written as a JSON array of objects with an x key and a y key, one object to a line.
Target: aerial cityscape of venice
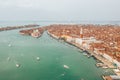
[
  {"x": 100, "y": 42},
  {"x": 59, "y": 40}
]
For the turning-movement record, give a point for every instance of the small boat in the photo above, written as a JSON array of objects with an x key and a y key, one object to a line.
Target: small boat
[
  {"x": 65, "y": 66},
  {"x": 8, "y": 59},
  {"x": 38, "y": 58},
  {"x": 62, "y": 74},
  {"x": 104, "y": 67},
  {"x": 99, "y": 64},
  {"x": 9, "y": 45},
  {"x": 82, "y": 79},
  {"x": 17, "y": 65},
  {"x": 85, "y": 54}
]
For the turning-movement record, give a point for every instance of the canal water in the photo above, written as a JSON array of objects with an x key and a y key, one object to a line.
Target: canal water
[{"x": 23, "y": 50}]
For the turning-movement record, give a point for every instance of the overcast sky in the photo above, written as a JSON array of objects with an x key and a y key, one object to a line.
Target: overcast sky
[{"x": 88, "y": 10}]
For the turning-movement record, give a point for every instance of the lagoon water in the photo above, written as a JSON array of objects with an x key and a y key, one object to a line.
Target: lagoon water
[{"x": 53, "y": 56}]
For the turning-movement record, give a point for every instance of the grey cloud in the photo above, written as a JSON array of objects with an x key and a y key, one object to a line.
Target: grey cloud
[{"x": 60, "y": 9}]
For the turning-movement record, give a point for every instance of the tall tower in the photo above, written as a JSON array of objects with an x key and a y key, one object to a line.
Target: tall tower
[{"x": 81, "y": 32}]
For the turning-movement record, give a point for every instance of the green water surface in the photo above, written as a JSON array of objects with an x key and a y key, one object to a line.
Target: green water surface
[{"x": 53, "y": 55}]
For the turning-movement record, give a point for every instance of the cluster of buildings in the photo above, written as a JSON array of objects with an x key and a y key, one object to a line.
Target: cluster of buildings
[
  {"x": 102, "y": 40},
  {"x": 35, "y": 32}
]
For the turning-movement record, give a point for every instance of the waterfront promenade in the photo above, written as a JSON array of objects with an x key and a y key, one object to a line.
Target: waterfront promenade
[{"x": 98, "y": 57}]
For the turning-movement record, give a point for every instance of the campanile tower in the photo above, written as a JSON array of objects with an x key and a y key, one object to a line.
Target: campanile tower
[{"x": 81, "y": 32}]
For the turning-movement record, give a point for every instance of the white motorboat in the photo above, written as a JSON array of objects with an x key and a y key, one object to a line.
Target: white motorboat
[
  {"x": 65, "y": 66},
  {"x": 17, "y": 65},
  {"x": 8, "y": 59},
  {"x": 9, "y": 45},
  {"x": 38, "y": 58}
]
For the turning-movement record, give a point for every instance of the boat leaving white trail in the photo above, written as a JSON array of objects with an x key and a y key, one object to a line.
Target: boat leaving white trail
[
  {"x": 17, "y": 65},
  {"x": 65, "y": 66},
  {"x": 38, "y": 58},
  {"x": 9, "y": 45}
]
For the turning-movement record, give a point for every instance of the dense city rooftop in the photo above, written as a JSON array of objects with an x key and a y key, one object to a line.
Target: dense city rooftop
[{"x": 108, "y": 34}]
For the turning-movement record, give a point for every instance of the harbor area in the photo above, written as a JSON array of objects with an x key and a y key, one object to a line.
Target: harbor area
[{"x": 97, "y": 45}]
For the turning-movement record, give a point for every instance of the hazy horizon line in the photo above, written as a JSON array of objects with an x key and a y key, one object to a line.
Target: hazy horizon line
[{"x": 65, "y": 20}]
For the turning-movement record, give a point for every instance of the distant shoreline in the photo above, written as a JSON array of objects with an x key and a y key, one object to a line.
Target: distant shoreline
[{"x": 18, "y": 27}]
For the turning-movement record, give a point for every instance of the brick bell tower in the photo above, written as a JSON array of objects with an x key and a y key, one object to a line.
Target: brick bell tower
[{"x": 81, "y": 32}]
